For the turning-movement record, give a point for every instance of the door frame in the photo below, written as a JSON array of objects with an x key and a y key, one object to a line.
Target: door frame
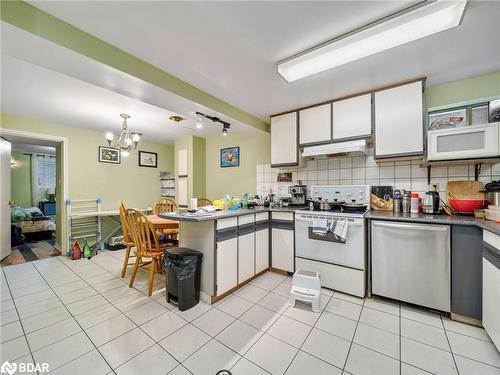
[{"x": 62, "y": 247}]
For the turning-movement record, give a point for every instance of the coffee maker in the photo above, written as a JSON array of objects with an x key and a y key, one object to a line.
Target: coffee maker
[{"x": 297, "y": 195}]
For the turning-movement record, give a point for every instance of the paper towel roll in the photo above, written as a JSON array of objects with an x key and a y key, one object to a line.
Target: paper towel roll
[{"x": 194, "y": 204}]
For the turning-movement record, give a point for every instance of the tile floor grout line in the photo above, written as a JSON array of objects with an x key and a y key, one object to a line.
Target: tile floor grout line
[
  {"x": 21, "y": 324},
  {"x": 268, "y": 292},
  {"x": 475, "y": 360},
  {"x": 353, "y": 336},
  {"x": 451, "y": 349},
  {"x": 215, "y": 339},
  {"x": 400, "y": 341},
  {"x": 137, "y": 326},
  {"x": 88, "y": 337},
  {"x": 263, "y": 332},
  {"x": 307, "y": 336}
]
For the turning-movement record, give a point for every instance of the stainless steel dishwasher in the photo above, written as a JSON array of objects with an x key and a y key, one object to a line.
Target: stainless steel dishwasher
[{"x": 411, "y": 263}]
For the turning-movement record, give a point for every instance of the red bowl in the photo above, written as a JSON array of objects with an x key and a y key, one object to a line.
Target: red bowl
[{"x": 466, "y": 205}]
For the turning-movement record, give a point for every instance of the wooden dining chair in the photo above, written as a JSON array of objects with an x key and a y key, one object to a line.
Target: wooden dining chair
[
  {"x": 147, "y": 245},
  {"x": 167, "y": 205},
  {"x": 164, "y": 205},
  {"x": 204, "y": 202},
  {"x": 128, "y": 241}
]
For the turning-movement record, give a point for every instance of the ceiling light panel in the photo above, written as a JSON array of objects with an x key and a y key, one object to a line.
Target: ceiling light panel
[{"x": 415, "y": 24}]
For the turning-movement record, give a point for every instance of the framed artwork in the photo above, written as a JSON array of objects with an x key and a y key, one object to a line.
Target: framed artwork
[
  {"x": 454, "y": 118},
  {"x": 148, "y": 159},
  {"x": 285, "y": 177},
  {"x": 230, "y": 157},
  {"x": 494, "y": 111},
  {"x": 109, "y": 155}
]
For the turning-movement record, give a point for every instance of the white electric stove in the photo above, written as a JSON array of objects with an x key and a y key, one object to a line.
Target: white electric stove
[{"x": 340, "y": 263}]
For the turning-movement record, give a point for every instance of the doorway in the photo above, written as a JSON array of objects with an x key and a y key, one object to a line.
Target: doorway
[
  {"x": 35, "y": 209},
  {"x": 33, "y": 202}
]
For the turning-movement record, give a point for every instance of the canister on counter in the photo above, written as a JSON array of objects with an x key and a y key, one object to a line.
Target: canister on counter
[
  {"x": 397, "y": 205},
  {"x": 414, "y": 203},
  {"x": 405, "y": 201}
]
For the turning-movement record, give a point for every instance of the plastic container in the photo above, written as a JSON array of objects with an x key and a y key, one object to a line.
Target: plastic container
[
  {"x": 414, "y": 203},
  {"x": 183, "y": 268}
]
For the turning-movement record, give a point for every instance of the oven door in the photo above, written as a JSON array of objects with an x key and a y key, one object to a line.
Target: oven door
[{"x": 350, "y": 253}]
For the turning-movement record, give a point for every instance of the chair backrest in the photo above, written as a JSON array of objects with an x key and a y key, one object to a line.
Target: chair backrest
[
  {"x": 127, "y": 237},
  {"x": 204, "y": 202},
  {"x": 164, "y": 205},
  {"x": 142, "y": 231}
]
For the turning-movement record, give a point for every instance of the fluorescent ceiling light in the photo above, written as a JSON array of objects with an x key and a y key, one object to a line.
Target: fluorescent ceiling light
[{"x": 415, "y": 23}]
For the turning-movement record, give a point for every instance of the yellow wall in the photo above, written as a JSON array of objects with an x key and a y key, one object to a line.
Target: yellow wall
[
  {"x": 88, "y": 178},
  {"x": 20, "y": 179},
  {"x": 254, "y": 149}
]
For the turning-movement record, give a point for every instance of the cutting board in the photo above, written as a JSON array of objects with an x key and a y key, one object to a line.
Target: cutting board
[{"x": 464, "y": 190}]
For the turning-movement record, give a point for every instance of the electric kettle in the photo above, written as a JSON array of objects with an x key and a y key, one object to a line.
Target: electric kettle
[{"x": 430, "y": 205}]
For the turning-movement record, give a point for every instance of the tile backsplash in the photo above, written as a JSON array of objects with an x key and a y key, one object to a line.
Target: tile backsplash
[{"x": 363, "y": 170}]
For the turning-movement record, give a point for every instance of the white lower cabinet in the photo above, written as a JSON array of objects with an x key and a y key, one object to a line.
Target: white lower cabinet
[
  {"x": 227, "y": 265},
  {"x": 261, "y": 250},
  {"x": 282, "y": 249},
  {"x": 246, "y": 256},
  {"x": 491, "y": 283}
]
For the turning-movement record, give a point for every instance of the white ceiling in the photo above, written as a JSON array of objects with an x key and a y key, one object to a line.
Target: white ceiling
[
  {"x": 46, "y": 81},
  {"x": 230, "y": 49}
]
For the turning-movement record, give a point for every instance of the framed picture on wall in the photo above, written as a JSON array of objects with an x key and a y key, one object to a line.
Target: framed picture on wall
[
  {"x": 109, "y": 155},
  {"x": 148, "y": 159},
  {"x": 454, "y": 118},
  {"x": 494, "y": 111},
  {"x": 230, "y": 157}
]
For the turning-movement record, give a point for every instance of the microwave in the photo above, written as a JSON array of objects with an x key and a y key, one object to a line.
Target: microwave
[{"x": 467, "y": 142}]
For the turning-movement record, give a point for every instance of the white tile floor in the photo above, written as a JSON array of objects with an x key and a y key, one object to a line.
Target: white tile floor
[{"x": 81, "y": 318}]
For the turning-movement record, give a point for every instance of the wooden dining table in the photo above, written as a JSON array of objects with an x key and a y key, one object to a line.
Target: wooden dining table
[{"x": 160, "y": 223}]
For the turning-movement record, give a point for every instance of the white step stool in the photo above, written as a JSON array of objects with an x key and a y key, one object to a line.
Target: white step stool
[{"x": 306, "y": 287}]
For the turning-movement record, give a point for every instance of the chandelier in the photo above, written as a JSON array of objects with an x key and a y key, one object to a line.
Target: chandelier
[{"x": 127, "y": 141}]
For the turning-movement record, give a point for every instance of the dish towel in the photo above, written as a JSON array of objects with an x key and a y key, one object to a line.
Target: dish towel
[
  {"x": 341, "y": 229},
  {"x": 320, "y": 227}
]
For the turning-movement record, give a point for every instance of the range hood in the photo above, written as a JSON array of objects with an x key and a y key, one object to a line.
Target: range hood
[{"x": 357, "y": 147}]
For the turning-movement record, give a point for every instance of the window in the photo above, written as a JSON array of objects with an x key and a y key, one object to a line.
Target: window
[{"x": 46, "y": 172}]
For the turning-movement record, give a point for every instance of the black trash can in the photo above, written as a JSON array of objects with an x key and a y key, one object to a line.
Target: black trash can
[{"x": 183, "y": 268}]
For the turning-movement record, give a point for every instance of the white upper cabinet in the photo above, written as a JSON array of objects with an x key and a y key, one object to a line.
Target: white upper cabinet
[
  {"x": 284, "y": 148},
  {"x": 352, "y": 118},
  {"x": 315, "y": 125},
  {"x": 399, "y": 123}
]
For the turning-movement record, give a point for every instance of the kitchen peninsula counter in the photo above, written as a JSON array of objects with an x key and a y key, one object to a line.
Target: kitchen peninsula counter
[
  {"x": 235, "y": 245},
  {"x": 217, "y": 215}
]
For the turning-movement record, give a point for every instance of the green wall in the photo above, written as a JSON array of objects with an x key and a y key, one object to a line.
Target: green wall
[
  {"x": 254, "y": 149},
  {"x": 20, "y": 180},
  {"x": 464, "y": 92},
  {"x": 88, "y": 178}
]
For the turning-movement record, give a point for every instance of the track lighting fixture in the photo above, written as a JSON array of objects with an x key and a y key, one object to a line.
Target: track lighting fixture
[
  {"x": 199, "y": 122},
  {"x": 225, "y": 125}
]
